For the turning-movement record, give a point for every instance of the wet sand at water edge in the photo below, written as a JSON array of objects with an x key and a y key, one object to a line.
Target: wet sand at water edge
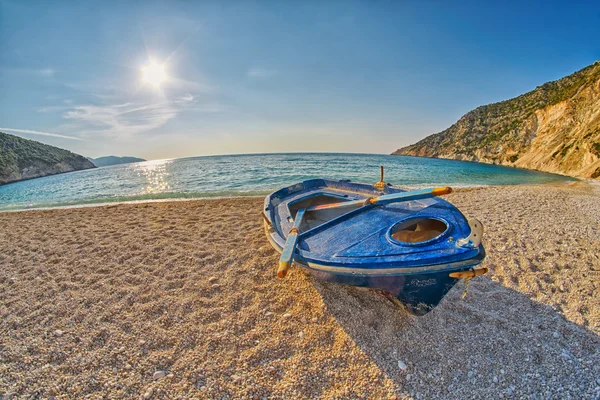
[{"x": 180, "y": 300}]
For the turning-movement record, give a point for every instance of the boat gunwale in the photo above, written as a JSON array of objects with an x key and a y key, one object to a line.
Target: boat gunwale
[{"x": 386, "y": 271}]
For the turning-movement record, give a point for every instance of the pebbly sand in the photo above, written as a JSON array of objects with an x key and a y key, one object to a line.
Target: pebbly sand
[{"x": 97, "y": 302}]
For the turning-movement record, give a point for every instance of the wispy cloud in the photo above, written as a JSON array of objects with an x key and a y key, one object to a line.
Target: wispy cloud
[
  {"x": 51, "y": 109},
  {"x": 258, "y": 72},
  {"x": 128, "y": 119},
  {"x": 40, "y": 133},
  {"x": 186, "y": 98},
  {"x": 44, "y": 72},
  {"x": 121, "y": 119}
]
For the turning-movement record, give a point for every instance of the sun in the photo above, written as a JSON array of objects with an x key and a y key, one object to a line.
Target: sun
[{"x": 154, "y": 74}]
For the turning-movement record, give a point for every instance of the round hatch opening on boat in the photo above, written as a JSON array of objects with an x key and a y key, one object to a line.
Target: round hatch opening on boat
[{"x": 418, "y": 230}]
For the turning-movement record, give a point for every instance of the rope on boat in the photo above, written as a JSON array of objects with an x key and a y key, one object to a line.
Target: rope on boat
[{"x": 466, "y": 287}]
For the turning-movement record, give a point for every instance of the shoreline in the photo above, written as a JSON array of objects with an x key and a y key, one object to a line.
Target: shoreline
[
  {"x": 563, "y": 174},
  {"x": 177, "y": 199},
  {"x": 116, "y": 203}
]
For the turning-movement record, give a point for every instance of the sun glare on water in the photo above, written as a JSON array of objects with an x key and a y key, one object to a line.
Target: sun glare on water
[{"x": 154, "y": 74}]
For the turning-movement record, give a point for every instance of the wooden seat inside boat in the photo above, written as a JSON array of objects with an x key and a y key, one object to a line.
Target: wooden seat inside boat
[{"x": 313, "y": 219}]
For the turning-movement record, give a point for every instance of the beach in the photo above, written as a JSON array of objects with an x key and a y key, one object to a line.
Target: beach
[{"x": 180, "y": 299}]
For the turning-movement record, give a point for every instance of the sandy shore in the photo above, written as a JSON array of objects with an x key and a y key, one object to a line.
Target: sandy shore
[{"x": 95, "y": 301}]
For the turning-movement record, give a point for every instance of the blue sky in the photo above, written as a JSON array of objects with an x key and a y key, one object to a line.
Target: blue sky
[{"x": 268, "y": 76}]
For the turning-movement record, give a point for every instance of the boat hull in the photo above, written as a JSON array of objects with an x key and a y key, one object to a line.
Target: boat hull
[
  {"x": 358, "y": 248},
  {"x": 419, "y": 291}
]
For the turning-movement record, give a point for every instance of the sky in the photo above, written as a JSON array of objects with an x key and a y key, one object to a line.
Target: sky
[{"x": 272, "y": 76}]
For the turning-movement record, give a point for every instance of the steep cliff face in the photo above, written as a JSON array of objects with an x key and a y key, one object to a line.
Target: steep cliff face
[
  {"x": 25, "y": 159},
  {"x": 554, "y": 128}
]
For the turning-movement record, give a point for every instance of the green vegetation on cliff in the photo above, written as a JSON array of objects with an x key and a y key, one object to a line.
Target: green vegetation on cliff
[
  {"x": 552, "y": 128},
  {"x": 23, "y": 159},
  {"x": 114, "y": 160}
]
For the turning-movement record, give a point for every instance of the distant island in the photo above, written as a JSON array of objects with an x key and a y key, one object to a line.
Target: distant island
[
  {"x": 554, "y": 128},
  {"x": 114, "y": 160},
  {"x": 26, "y": 159}
]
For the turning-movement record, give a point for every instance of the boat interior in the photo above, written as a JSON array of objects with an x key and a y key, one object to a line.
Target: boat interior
[
  {"x": 312, "y": 219},
  {"x": 414, "y": 230}
]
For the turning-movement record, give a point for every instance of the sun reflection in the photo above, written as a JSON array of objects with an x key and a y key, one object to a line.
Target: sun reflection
[{"x": 156, "y": 175}]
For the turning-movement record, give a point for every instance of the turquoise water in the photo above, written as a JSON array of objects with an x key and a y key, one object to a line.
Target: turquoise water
[{"x": 257, "y": 174}]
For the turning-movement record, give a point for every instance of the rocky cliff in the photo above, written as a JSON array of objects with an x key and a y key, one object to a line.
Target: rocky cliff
[
  {"x": 554, "y": 128},
  {"x": 25, "y": 159}
]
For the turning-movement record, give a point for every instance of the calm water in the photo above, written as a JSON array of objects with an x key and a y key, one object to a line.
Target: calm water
[{"x": 241, "y": 175}]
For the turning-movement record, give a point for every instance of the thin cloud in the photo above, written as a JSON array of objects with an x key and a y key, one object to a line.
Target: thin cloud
[
  {"x": 128, "y": 119},
  {"x": 258, "y": 72},
  {"x": 51, "y": 109},
  {"x": 183, "y": 84},
  {"x": 40, "y": 133},
  {"x": 121, "y": 119},
  {"x": 185, "y": 98},
  {"x": 45, "y": 72}
]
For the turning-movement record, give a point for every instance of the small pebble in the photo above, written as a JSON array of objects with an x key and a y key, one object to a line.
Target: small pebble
[
  {"x": 213, "y": 279},
  {"x": 215, "y": 286},
  {"x": 148, "y": 394},
  {"x": 402, "y": 365},
  {"x": 159, "y": 374},
  {"x": 556, "y": 335},
  {"x": 58, "y": 333},
  {"x": 268, "y": 314},
  {"x": 286, "y": 316},
  {"x": 301, "y": 335}
]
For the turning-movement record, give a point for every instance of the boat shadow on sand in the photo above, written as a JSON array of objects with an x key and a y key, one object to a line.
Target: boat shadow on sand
[{"x": 495, "y": 342}]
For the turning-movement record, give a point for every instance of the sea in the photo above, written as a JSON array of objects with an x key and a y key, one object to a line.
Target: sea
[{"x": 250, "y": 175}]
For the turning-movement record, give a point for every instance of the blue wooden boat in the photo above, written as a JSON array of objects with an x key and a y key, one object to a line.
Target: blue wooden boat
[{"x": 416, "y": 250}]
